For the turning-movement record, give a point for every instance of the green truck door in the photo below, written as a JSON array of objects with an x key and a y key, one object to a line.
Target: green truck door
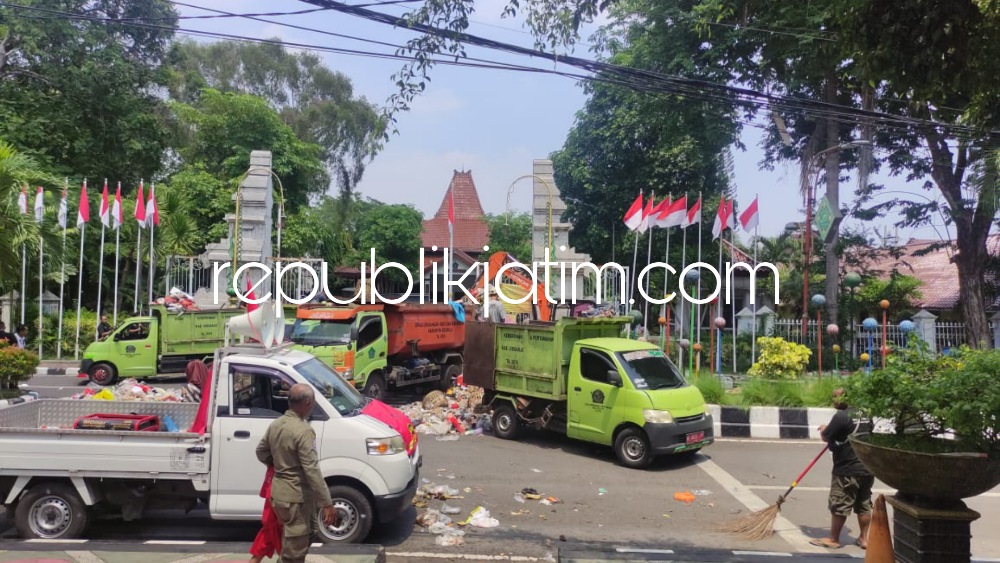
[
  {"x": 593, "y": 401},
  {"x": 371, "y": 345},
  {"x": 135, "y": 349}
]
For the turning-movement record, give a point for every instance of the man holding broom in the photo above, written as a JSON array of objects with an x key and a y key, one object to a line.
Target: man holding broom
[{"x": 851, "y": 487}]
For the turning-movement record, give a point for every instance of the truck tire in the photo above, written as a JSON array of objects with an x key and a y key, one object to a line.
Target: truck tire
[
  {"x": 632, "y": 448},
  {"x": 50, "y": 511},
  {"x": 451, "y": 373},
  {"x": 374, "y": 386},
  {"x": 356, "y": 516},
  {"x": 506, "y": 423},
  {"x": 103, "y": 373}
]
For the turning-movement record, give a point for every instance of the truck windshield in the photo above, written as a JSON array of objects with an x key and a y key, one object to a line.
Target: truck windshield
[
  {"x": 341, "y": 394},
  {"x": 650, "y": 369},
  {"x": 313, "y": 332}
]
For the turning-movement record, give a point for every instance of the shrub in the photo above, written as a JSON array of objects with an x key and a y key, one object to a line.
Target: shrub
[
  {"x": 16, "y": 365},
  {"x": 780, "y": 359},
  {"x": 50, "y": 336},
  {"x": 761, "y": 392},
  {"x": 819, "y": 392}
]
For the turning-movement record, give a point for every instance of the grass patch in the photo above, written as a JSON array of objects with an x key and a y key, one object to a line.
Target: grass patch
[
  {"x": 711, "y": 388},
  {"x": 808, "y": 392}
]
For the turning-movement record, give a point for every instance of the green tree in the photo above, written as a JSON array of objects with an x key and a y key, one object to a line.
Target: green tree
[
  {"x": 317, "y": 103},
  {"x": 17, "y": 170},
  {"x": 511, "y": 233},
  {"x": 392, "y": 230}
]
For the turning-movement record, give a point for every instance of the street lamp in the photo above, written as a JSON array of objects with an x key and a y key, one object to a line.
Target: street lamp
[
  {"x": 819, "y": 300},
  {"x": 810, "y": 197}
]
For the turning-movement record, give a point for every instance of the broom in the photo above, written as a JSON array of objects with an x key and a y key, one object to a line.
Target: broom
[{"x": 760, "y": 524}]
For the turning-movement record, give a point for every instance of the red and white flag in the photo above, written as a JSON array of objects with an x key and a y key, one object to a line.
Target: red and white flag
[
  {"x": 730, "y": 215},
  {"x": 152, "y": 212},
  {"x": 83, "y": 211},
  {"x": 105, "y": 207},
  {"x": 22, "y": 200},
  {"x": 39, "y": 205},
  {"x": 116, "y": 208},
  {"x": 693, "y": 215},
  {"x": 63, "y": 214},
  {"x": 647, "y": 216},
  {"x": 658, "y": 209},
  {"x": 634, "y": 216},
  {"x": 140, "y": 208},
  {"x": 673, "y": 215},
  {"x": 251, "y": 307},
  {"x": 721, "y": 219},
  {"x": 750, "y": 218}
]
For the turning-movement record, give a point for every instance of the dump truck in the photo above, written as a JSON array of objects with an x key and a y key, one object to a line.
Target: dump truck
[
  {"x": 383, "y": 347},
  {"x": 66, "y": 463},
  {"x": 160, "y": 343},
  {"x": 579, "y": 377}
]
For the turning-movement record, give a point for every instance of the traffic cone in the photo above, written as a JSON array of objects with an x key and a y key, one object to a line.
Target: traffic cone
[{"x": 879, "y": 536}]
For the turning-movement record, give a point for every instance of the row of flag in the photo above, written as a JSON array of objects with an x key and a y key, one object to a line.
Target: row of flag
[
  {"x": 675, "y": 213},
  {"x": 146, "y": 213}
]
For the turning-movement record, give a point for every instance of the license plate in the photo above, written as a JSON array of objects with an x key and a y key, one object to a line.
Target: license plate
[{"x": 695, "y": 437}]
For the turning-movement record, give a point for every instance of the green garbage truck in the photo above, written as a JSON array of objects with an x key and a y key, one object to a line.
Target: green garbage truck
[
  {"x": 579, "y": 377},
  {"x": 163, "y": 342}
]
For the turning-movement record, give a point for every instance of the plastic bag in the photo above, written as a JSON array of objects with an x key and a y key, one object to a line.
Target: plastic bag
[
  {"x": 445, "y": 509},
  {"x": 480, "y": 518},
  {"x": 449, "y": 540}
]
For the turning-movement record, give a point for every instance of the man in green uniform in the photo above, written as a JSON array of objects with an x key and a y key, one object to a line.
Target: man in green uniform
[{"x": 290, "y": 446}]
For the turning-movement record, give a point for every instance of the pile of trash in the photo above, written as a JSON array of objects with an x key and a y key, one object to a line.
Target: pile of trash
[
  {"x": 449, "y": 415},
  {"x": 130, "y": 390},
  {"x": 178, "y": 301}
]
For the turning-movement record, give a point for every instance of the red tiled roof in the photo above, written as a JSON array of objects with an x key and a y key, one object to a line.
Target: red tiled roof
[
  {"x": 937, "y": 273},
  {"x": 471, "y": 230}
]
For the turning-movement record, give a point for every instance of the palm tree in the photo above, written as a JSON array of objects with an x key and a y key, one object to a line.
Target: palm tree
[{"x": 17, "y": 170}]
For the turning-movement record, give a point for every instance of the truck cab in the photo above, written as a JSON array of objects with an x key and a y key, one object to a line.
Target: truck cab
[
  {"x": 351, "y": 340},
  {"x": 131, "y": 350}
]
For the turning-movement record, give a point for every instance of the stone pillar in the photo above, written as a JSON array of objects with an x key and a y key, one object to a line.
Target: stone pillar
[
  {"x": 930, "y": 533},
  {"x": 926, "y": 329},
  {"x": 996, "y": 330},
  {"x": 744, "y": 321}
]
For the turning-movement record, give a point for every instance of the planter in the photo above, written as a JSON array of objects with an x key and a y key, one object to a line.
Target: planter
[{"x": 941, "y": 477}]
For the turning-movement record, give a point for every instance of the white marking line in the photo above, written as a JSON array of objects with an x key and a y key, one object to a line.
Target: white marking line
[
  {"x": 175, "y": 542},
  {"x": 766, "y": 441},
  {"x": 770, "y": 553},
  {"x": 84, "y": 557},
  {"x": 641, "y": 550},
  {"x": 199, "y": 558},
  {"x": 827, "y": 489},
  {"x": 40, "y": 540},
  {"x": 470, "y": 557},
  {"x": 782, "y": 526}
]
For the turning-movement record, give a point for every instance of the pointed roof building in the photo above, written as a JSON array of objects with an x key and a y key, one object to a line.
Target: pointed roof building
[{"x": 471, "y": 229}]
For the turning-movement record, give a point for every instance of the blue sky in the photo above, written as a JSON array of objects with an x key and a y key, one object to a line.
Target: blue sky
[{"x": 491, "y": 122}]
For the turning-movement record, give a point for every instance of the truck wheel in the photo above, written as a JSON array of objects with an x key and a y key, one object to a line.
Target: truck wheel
[
  {"x": 632, "y": 448},
  {"x": 355, "y": 513},
  {"x": 374, "y": 386},
  {"x": 506, "y": 423},
  {"x": 450, "y": 374},
  {"x": 50, "y": 511},
  {"x": 103, "y": 373}
]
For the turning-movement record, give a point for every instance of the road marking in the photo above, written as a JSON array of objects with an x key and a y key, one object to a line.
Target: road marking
[
  {"x": 767, "y": 441},
  {"x": 827, "y": 489},
  {"x": 199, "y": 558},
  {"x": 175, "y": 542},
  {"x": 42, "y": 540},
  {"x": 641, "y": 550},
  {"x": 769, "y": 553},
  {"x": 782, "y": 526},
  {"x": 84, "y": 557},
  {"x": 460, "y": 556}
]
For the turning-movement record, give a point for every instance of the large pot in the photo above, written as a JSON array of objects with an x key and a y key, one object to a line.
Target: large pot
[{"x": 937, "y": 477}]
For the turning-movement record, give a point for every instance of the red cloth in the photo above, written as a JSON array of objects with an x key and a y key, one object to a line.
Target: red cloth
[
  {"x": 201, "y": 419},
  {"x": 268, "y": 540}
]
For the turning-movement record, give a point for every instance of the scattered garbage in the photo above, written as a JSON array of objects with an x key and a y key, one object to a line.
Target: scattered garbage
[
  {"x": 686, "y": 497},
  {"x": 480, "y": 518},
  {"x": 701, "y": 492},
  {"x": 130, "y": 390},
  {"x": 519, "y": 497},
  {"x": 445, "y": 509},
  {"x": 448, "y": 415},
  {"x": 602, "y": 491}
]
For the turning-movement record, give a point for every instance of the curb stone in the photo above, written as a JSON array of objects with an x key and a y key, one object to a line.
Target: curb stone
[
  {"x": 789, "y": 423},
  {"x": 55, "y": 371}
]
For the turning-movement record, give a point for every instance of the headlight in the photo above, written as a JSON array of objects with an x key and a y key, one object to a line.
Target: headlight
[
  {"x": 385, "y": 446},
  {"x": 348, "y": 374},
  {"x": 657, "y": 417}
]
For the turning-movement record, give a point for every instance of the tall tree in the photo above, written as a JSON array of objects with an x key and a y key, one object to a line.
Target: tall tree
[
  {"x": 316, "y": 102},
  {"x": 511, "y": 233}
]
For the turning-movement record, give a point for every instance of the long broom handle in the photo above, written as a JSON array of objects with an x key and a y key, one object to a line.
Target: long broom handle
[{"x": 806, "y": 470}]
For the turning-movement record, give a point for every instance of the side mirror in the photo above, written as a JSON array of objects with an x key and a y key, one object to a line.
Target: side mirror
[
  {"x": 614, "y": 378},
  {"x": 354, "y": 333}
]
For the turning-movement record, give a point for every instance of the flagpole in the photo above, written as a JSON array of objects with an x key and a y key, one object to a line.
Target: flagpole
[
  {"x": 79, "y": 291},
  {"x": 699, "y": 277},
  {"x": 118, "y": 236},
  {"x": 681, "y": 281},
  {"x": 649, "y": 259},
  {"x": 100, "y": 267},
  {"x": 666, "y": 306},
  {"x": 149, "y": 221},
  {"x": 64, "y": 220},
  {"x": 138, "y": 251},
  {"x": 41, "y": 262},
  {"x": 732, "y": 304},
  {"x": 635, "y": 256},
  {"x": 753, "y": 338},
  {"x": 722, "y": 229},
  {"x": 24, "y": 277}
]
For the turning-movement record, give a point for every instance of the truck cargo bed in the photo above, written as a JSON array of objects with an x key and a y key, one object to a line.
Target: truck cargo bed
[{"x": 37, "y": 437}]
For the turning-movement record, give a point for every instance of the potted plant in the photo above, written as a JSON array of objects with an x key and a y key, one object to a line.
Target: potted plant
[
  {"x": 16, "y": 365},
  {"x": 940, "y": 422}
]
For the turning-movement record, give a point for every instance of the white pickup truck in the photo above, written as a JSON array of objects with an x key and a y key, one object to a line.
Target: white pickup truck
[{"x": 55, "y": 478}]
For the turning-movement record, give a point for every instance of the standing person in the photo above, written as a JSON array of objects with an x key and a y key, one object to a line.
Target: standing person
[
  {"x": 197, "y": 373},
  {"x": 7, "y": 337},
  {"x": 851, "y": 487},
  {"x": 268, "y": 540},
  {"x": 104, "y": 329},
  {"x": 289, "y": 445},
  {"x": 22, "y": 336}
]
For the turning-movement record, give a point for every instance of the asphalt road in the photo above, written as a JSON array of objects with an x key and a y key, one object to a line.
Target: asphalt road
[{"x": 602, "y": 504}]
